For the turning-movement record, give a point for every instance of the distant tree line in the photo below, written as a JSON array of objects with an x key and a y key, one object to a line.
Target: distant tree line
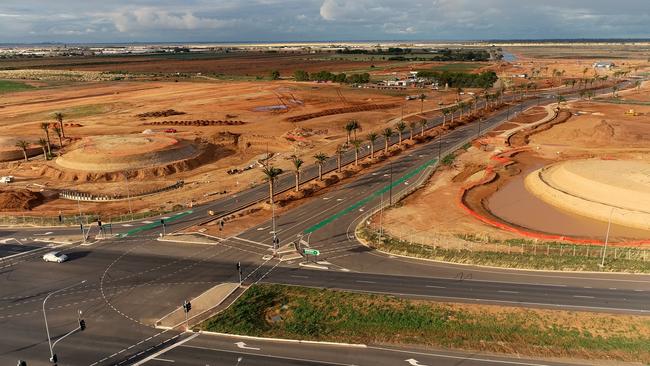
[
  {"x": 301, "y": 75},
  {"x": 377, "y": 51},
  {"x": 461, "y": 79}
]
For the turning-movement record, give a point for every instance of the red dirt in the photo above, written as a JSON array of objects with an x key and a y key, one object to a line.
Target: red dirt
[{"x": 21, "y": 199}]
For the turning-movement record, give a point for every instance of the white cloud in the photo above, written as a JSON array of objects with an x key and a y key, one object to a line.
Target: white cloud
[{"x": 147, "y": 18}]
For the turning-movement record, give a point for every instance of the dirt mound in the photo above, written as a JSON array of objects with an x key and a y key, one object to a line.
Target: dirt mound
[
  {"x": 329, "y": 112},
  {"x": 522, "y": 138},
  {"x": 19, "y": 200},
  {"x": 165, "y": 113},
  {"x": 197, "y": 122}
]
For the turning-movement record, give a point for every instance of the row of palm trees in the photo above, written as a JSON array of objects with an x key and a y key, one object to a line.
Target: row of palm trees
[{"x": 44, "y": 143}]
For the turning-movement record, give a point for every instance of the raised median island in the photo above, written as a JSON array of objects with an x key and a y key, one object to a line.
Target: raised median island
[{"x": 598, "y": 189}]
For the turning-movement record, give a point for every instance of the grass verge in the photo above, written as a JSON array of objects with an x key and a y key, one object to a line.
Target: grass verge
[
  {"x": 519, "y": 254},
  {"x": 7, "y": 86},
  {"x": 327, "y": 315}
]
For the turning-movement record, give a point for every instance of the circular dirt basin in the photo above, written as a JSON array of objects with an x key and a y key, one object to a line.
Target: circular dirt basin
[
  {"x": 598, "y": 189},
  {"x": 125, "y": 153}
]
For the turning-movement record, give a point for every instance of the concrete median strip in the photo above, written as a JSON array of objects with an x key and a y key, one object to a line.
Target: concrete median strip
[{"x": 200, "y": 304}]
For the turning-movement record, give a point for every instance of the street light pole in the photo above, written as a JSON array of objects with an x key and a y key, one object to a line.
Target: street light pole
[
  {"x": 390, "y": 187},
  {"x": 47, "y": 328},
  {"x": 609, "y": 225},
  {"x": 128, "y": 194}
]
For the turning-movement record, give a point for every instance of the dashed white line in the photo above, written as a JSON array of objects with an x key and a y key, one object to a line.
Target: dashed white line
[
  {"x": 362, "y": 281},
  {"x": 508, "y": 292},
  {"x": 432, "y": 286},
  {"x": 583, "y": 297}
]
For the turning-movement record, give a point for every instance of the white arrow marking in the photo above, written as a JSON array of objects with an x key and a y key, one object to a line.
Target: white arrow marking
[
  {"x": 147, "y": 222},
  {"x": 414, "y": 362},
  {"x": 47, "y": 233},
  {"x": 243, "y": 345}
]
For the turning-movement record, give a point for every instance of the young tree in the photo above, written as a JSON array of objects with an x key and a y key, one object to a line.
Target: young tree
[
  {"x": 400, "y": 127},
  {"x": 356, "y": 126},
  {"x": 423, "y": 124},
  {"x": 275, "y": 75},
  {"x": 357, "y": 146},
  {"x": 23, "y": 145},
  {"x": 387, "y": 133},
  {"x": 45, "y": 126},
  {"x": 339, "y": 154},
  {"x": 422, "y": 97},
  {"x": 560, "y": 99},
  {"x": 320, "y": 158},
  {"x": 412, "y": 126},
  {"x": 349, "y": 127},
  {"x": 59, "y": 117},
  {"x": 372, "y": 137},
  {"x": 58, "y": 132},
  {"x": 297, "y": 163},
  {"x": 43, "y": 143},
  {"x": 271, "y": 173}
]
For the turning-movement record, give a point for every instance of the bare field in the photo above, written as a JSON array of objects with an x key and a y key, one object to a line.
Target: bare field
[{"x": 595, "y": 131}]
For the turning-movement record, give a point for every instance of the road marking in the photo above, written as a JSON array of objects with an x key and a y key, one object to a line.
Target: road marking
[
  {"x": 146, "y": 222},
  {"x": 361, "y": 281},
  {"x": 163, "y": 359},
  {"x": 588, "y": 287},
  {"x": 165, "y": 350},
  {"x": 47, "y": 233},
  {"x": 251, "y": 241},
  {"x": 339, "y": 199},
  {"x": 638, "y": 290},
  {"x": 127, "y": 225},
  {"x": 296, "y": 276},
  {"x": 583, "y": 297},
  {"x": 268, "y": 356},
  {"x": 243, "y": 345},
  {"x": 508, "y": 292},
  {"x": 414, "y": 362},
  {"x": 432, "y": 286},
  {"x": 612, "y": 288}
]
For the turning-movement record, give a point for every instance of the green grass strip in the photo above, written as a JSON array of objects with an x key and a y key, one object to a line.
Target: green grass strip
[
  {"x": 373, "y": 195},
  {"x": 154, "y": 224}
]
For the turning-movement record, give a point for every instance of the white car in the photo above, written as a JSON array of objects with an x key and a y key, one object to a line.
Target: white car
[{"x": 55, "y": 257}]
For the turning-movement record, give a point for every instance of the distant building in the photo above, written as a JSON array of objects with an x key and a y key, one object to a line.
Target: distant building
[{"x": 604, "y": 65}]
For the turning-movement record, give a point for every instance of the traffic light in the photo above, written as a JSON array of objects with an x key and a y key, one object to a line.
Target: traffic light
[
  {"x": 99, "y": 223},
  {"x": 82, "y": 324},
  {"x": 162, "y": 222},
  {"x": 187, "y": 306}
]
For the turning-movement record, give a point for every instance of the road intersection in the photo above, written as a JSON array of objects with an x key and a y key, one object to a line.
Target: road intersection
[{"x": 134, "y": 279}]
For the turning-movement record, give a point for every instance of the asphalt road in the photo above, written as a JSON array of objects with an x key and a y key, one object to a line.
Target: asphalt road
[
  {"x": 133, "y": 281},
  {"x": 207, "y": 349}
]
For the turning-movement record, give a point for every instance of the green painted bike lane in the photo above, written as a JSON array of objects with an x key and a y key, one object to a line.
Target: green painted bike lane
[
  {"x": 370, "y": 197},
  {"x": 154, "y": 224}
]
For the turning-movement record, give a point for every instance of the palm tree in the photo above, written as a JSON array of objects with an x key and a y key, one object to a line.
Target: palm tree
[
  {"x": 297, "y": 163},
  {"x": 422, "y": 97},
  {"x": 339, "y": 153},
  {"x": 43, "y": 143},
  {"x": 423, "y": 124},
  {"x": 59, "y": 133},
  {"x": 400, "y": 127},
  {"x": 412, "y": 126},
  {"x": 452, "y": 111},
  {"x": 356, "y": 126},
  {"x": 475, "y": 98},
  {"x": 387, "y": 133},
  {"x": 614, "y": 90},
  {"x": 357, "y": 146},
  {"x": 59, "y": 117},
  {"x": 487, "y": 98},
  {"x": 461, "y": 106},
  {"x": 23, "y": 145},
  {"x": 271, "y": 173},
  {"x": 349, "y": 127},
  {"x": 320, "y": 160},
  {"x": 45, "y": 126},
  {"x": 445, "y": 113},
  {"x": 372, "y": 137}
]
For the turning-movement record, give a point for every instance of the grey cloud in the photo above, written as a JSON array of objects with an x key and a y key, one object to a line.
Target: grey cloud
[{"x": 269, "y": 20}]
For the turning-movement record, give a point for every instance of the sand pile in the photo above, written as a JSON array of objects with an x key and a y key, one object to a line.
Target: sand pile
[
  {"x": 19, "y": 200},
  {"x": 592, "y": 188}
]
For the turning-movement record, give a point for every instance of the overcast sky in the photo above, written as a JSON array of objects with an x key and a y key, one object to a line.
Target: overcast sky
[{"x": 314, "y": 20}]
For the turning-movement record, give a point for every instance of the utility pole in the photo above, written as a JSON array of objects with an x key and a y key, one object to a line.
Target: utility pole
[
  {"x": 381, "y": 215},
  {"x": 128, "y": 194},
  {"x": 609, "y": 225},
  {"x": 390, "y": 187},
  {"x": 439, "y": 147}
]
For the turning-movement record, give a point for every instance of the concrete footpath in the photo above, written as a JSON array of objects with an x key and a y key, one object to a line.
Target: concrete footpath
[{"x": 200, "y": 304}]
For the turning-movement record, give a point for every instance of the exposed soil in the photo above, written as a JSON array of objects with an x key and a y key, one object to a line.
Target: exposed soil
[{"x": 20, "y": 199}]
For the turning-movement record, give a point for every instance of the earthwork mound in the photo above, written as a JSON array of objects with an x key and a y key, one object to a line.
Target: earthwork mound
[
  {"x": 19, "y": 200},
  {"x": 111, "y": 157},
  {"x": 597, "y": 189}
]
